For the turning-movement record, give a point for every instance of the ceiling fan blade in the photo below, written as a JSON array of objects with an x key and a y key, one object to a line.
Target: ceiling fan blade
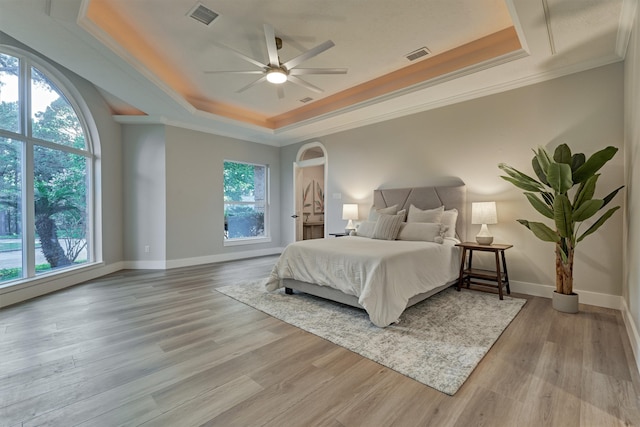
[
  {"x": 272, "y": 49},
  {"x": 280, "y": 90},
  {"x": 292, "y": 63},
  {"x": 307, "y": 85},
  {"x": 235, "y": 72},
  {"x": 300, "y": 71},
  {"x": 241, "y": 55},
  {"x": 260, "y": 80}
]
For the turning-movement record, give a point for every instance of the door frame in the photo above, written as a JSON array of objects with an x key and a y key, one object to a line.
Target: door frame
[{"x": 298, "y": 165}]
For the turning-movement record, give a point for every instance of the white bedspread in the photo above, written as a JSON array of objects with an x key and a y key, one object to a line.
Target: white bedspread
[{"x": 382, "y": 274}]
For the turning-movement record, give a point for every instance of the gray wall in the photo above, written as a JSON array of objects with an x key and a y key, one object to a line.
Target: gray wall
[
  {"x": 174, "y": 200},
  {"x": 195, "y": 206},
  {"x": 145, "y": 193},
  {"x": 632, "y": 178},
  {"x": 468, "y": 140}
]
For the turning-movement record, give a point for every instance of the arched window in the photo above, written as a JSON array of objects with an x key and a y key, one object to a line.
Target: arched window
[{"x": 46, "y": 163}]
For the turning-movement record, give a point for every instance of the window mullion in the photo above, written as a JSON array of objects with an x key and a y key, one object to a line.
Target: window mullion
[{"x": 28, "y": 208}]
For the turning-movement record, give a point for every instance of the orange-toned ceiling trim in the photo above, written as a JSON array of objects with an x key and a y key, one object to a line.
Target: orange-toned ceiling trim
[
  {"x": 111, "y": 22},
  {"x": 107, "y": 18},
  {"x": 473, "y": 53}
]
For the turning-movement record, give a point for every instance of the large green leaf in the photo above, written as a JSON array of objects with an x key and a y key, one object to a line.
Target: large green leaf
[
  {"x": 521, "y": 184},
  {"x": 515, "y": 173},
  {"x": 586, "y": 191},
  {"x": 520, "y": 179},
  {"x": 611, "y": 195},
  {"x": 542, "y": 175},
  {"x": 577, "y": 160},
  {"x": 562, "y": 154},
  {"x": 598, "y": 223},
  {"x": 548, "y": 197},
  {"x": 562, "y": 215},
  {"x": 543, "y": 159},
  {"x": 559, "y": 176},
  {"x": 541, "y": 231},
  {"x": 587, "y": 210},
  {"x": 593, "y": 164},
  {"x": 539, "y": 205}
]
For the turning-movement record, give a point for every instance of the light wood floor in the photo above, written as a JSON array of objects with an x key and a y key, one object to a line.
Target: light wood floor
[{"x": 163, "y": 348}]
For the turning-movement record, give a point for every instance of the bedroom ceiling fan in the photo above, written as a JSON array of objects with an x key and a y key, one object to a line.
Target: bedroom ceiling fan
[{"x": 277, "y": 72}]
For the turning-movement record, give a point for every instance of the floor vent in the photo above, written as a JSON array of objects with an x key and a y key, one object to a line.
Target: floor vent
[
  {"x": 423, "y": 51},
  {"x": 202, "y": 14}
]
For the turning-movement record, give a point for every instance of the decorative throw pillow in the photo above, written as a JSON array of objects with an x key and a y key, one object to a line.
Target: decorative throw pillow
[
  {"x": 425, "y": 215},
  {"x": 387, "y": 227},
  {"x": 422, "y": 231},
  {"x": 374, "y": 213},
  {"x": 449, "y": 218},
  {"x": 365, "y": 229}
]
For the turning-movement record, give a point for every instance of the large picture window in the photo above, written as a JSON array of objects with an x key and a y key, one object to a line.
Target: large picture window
[
  {"x": 246, "y": 189},
  {"x": 45, "y": 165}
]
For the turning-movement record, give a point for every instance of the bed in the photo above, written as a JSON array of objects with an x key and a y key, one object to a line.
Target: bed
[{"x": 381, "y": 276}]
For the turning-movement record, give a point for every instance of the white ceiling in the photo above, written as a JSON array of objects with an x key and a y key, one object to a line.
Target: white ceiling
[{"x": 152, "y": 57}]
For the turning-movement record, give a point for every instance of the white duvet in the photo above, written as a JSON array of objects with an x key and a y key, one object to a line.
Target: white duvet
[{"x": 382, "y": 274}]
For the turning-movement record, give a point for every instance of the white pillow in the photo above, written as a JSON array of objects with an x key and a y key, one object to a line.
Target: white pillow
[
  {"x": 365, "y": 229},
  {"x": 426, "y": 215},
  {"x": 422, "y": 231},
  {"x": 449, "y": 218},
  {"x": 387, "y": 227},
  {"x": 374, "y": 213}
]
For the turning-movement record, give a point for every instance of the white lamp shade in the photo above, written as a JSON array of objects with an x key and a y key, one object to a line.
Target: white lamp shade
[
  {"x": 484, "y": 213},
  {"x": 350, "y": 211}
]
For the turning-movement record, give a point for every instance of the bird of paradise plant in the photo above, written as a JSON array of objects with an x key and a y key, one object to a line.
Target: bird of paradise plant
[{"x": 564, "y": 192}]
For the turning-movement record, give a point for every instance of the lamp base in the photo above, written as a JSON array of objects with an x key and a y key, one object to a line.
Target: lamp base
[
  {"x": 484, "y": 237},
  {"x": 484, "y": 240}
]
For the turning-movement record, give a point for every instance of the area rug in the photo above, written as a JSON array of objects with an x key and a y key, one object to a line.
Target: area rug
[{"x": 437, "y": 342}]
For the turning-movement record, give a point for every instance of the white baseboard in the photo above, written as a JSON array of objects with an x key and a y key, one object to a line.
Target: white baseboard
[
  {"x": 145, "y": 265},
  {"x": 208, "y": 259},
  {"x": 44, "y": 285},
  {"x": 632, "y": 333},
  {"x": 187, "y": 262},
  {"x": 586, "y": 297}
]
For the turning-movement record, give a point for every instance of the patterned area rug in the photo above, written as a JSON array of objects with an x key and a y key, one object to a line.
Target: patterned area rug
[{"x": 437, "y": 342}]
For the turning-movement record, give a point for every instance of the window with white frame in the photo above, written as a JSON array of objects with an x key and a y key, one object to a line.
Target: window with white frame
[
  {"x": 246, "y": 201},
  {"x": 45, "y": 169}
]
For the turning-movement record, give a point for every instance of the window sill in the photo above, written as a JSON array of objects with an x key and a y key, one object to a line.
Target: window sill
[
  {"x": 47, "y": 277},
  {"x": 247, "y": 241}
]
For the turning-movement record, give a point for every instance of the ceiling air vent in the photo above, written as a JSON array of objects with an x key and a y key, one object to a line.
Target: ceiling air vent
[
  {"x": 305, "y": 100},
  {"x": 423, "y": 51},
  {"x": 202, "y": 14}
]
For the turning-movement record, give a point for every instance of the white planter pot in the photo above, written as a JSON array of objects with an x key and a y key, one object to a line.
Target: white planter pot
[{"x": 565, "y": 303}]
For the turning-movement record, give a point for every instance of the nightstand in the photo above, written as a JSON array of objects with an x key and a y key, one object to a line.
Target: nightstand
[{"x": 497, "y": 278}]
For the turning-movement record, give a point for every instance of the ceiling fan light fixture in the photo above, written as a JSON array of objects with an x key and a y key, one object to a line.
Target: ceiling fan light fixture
[{"x": 276, "y": 76}]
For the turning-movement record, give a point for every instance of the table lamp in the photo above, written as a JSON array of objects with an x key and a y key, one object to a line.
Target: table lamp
[
  {"x": 350, "y": 212},
  {"x": 484, "y": 213}
]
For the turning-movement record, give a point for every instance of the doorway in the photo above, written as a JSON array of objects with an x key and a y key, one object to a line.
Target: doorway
[{"x": 309, "y": 172}]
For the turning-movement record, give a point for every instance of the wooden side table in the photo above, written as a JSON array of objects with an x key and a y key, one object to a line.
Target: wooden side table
[{"x": 494, "y": 279}]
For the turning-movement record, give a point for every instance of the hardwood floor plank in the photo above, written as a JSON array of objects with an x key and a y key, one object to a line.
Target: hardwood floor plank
[
  {"x": 608, "y": 401},
  {"x": 145, "y": 347},
  {"x": 602, "y": 333}
]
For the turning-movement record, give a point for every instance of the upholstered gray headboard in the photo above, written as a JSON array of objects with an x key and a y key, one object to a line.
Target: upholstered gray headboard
[{"x": 451, "y": 196}]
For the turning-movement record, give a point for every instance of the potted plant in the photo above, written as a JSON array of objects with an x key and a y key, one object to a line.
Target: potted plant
[{"x": 564, "y": 192}]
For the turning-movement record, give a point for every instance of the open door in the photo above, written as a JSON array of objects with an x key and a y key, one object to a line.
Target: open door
[
  {"x": 298, "y": 217},
  {"x": 309, "y": 173}
]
